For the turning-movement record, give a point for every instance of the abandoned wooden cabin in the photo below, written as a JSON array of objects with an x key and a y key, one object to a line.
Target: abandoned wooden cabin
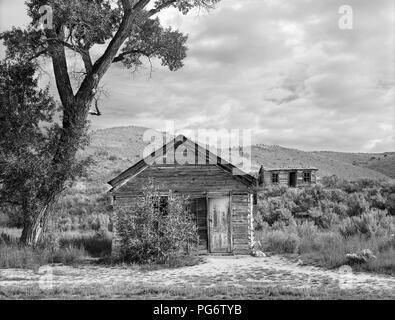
[
  {"x": 221, "y": 194},
  {"x": 291, "y": 176}
]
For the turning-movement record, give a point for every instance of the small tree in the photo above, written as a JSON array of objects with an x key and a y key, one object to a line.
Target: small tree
[{"x": 155, "y": 230}]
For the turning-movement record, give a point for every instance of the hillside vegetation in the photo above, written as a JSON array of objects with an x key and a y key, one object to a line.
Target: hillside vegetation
[
  {"x": 84, "y": 204},
  {"x": 343, "y": 165},
  {"x": 381, "y": 162},
  {"x": 116, "y": 149}
]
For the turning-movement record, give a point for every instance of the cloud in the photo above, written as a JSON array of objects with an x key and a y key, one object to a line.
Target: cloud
[{"x": 281, "y": 68}]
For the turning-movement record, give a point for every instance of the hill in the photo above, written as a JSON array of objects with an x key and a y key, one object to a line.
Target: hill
[
  {"x": 381, "y": 162},
  {"x": 116, "y": 149},
  {"x": 326, "y": 164}
]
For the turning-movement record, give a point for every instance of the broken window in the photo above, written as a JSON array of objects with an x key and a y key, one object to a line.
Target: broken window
[
  {"x": 275, "y": 177},
  {"x": 307, "y": 176},
  {"x": 162, "y": 205}
]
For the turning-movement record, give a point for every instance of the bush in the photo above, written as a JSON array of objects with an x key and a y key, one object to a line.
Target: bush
[
  {"x": 389, "y": 192},
  {"x": 150, "y": 233},
  {"x": 357, "y": 204},
  {"x": 323, "y": 217},
  {"x": 273, "y": 210},
  {"x": 375, "y": 223},
  {"x": 280, "y": 242}
]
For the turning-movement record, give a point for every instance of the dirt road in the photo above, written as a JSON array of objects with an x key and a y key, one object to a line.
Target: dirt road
[{"x": 239, "y": 272}]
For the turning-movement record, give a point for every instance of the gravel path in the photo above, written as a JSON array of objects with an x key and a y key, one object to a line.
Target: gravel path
[{"x": 239, "y": 271}]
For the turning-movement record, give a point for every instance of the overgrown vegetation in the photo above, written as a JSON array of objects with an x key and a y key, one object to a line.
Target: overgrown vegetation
[
  {"x": 63, "y": 247},
  {"x": 154, "y": 230},
  {"x": 331, "y": 224}
]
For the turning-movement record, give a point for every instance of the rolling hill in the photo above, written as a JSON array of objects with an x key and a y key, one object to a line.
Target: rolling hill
[
  {"x": 381, "y": 162},
  {"x": 116, "y": 149}
]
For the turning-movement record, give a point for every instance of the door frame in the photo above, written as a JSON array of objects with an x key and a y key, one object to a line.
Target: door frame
[
  {"x": 209, "y": 221},
  {"x": 295, "y": 174}
]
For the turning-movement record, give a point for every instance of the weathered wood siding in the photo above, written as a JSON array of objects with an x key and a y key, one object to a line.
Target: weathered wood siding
[
  {"x": 242, "y": 223},
  {"x": 193, "y": 179},
  {"x": 284, "y": 178},
  {"x": 196, "y": 181}
]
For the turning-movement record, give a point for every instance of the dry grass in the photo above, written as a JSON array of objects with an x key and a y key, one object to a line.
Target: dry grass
[
  {"x": 188, "y": 292},
  {"x": 16, "y": 256}
]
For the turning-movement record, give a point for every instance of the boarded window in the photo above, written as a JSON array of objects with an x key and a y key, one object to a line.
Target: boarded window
[
  {"x": 275, "y": 177},
  {"x": 307, "y": 176},
  {"x": 162, "y": 205},
  {"x": 198, "y": 208}
]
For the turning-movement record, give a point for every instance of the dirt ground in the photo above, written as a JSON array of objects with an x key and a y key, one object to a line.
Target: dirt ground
[{"x": 238, "y": 272}]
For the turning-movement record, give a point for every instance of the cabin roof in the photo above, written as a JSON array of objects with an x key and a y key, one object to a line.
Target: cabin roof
[
  {"x": 141, "y": 165},
  {"x": 289, "y": 168}
]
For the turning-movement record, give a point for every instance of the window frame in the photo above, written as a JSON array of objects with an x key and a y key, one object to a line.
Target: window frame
[
  {"x": 277, "y": 175},
  {"x": 307, "y": 176}
]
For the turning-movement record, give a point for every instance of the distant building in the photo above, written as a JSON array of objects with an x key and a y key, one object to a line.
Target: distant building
[{"x": 291, "y": 176}]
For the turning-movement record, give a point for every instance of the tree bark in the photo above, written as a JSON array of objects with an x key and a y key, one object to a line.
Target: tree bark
[
  {"x": 37, "y": 212},
  {"x": 35, "y": 224},
  {"x": 75, "y": 112}
]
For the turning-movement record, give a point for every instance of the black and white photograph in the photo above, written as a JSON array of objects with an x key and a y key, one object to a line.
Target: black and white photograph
[{"x": 197, "y": 150}]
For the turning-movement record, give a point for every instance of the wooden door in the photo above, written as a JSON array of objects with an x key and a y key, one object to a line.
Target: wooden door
[{"x": 219, "y": 217}]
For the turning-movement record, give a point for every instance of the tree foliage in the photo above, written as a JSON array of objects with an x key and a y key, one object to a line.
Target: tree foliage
[
  {"x": 130, "y": 32},
  {"x": 25, "y": 113}
]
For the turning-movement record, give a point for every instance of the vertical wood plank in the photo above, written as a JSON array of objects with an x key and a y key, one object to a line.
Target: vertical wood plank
[
  {"x": 230, "y": 222},
  {"x": 208, "y": 224}
]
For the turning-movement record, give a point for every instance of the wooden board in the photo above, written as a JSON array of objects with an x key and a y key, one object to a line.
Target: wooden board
[{"x": 219, "y": 225}]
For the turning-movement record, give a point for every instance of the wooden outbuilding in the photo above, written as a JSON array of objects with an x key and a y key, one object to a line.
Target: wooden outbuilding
[
  {"x": 291, "y": 176},
  {"x": 221, "y": 194}
]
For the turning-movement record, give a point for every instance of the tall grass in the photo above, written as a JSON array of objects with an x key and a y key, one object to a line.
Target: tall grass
[
  {"x": 64, "y": 248},
  {"x": 16, "y": 256},
  {"x": 97, "y": 245}
]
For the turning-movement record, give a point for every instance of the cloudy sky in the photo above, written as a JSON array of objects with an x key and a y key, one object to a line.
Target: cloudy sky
[{"x": 283, "y": 69}]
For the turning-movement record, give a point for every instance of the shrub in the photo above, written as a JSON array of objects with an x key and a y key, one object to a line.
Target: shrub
[
  {"x": 362, "y": 256},
  {"x": 323, "y": 217},
  {"x": 273, "y": 191},
  {"x": 330, "y": 182},
  {"x": 374, "y": 223},
  {"x": 149, "y": 233},
  {"x": 5, "y": 238},
  {"x": 389, "y": 192},
  {"x": 273, "y": 210},
  {"x": 357, "y": 204},
  {"x": 307, "y": 229},
  {"x": 280, "y": 242}
]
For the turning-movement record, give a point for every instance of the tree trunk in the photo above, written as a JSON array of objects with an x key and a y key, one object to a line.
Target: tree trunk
[
  {"x": 35, "y": 224},
  {"x": 38, "y": 212}
]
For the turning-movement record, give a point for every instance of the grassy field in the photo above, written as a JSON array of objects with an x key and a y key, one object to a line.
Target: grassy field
[
  {"x": 63, "y": 247},
  {"x": 166, "y": 293}
]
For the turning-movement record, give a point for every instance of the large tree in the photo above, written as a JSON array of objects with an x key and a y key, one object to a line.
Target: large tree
[{"x": 130, "y": 31}]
